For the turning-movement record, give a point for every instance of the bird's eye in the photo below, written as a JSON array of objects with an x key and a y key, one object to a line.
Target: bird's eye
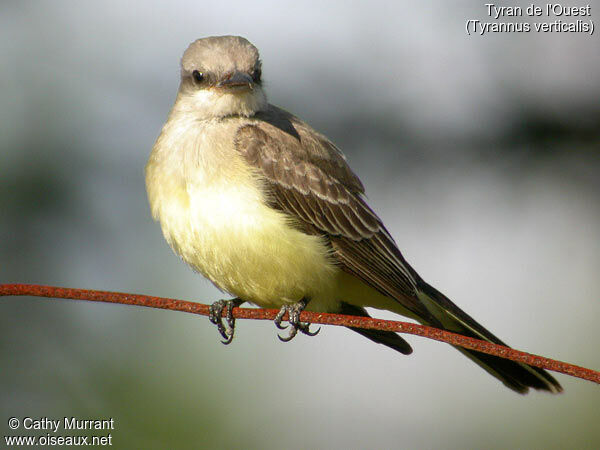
[
  {"x": 198, "y": 76},
  {"x": 256, "y": 75}
]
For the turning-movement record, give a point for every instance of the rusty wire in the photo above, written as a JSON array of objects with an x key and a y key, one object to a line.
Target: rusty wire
[{"x": 306, "y": 316}]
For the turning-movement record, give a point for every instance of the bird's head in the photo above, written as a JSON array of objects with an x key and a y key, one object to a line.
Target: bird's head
[{"x": 221, "y": 76}]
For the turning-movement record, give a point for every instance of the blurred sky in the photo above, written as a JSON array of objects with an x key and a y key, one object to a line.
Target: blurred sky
[{"x": 480, "y": 153}]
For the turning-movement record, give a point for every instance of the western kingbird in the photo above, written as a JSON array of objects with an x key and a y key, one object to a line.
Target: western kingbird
[{"x": 267, "y": 209}]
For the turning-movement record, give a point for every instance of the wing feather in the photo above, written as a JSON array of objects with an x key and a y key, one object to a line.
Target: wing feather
[{"x": 308, "y": 178}]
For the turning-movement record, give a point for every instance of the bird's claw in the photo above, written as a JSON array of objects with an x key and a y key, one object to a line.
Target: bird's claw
[
  {"x": 279, "y": 318},
  {"x": 215, "y": 316},
  {"x": 293, "y": 312}
]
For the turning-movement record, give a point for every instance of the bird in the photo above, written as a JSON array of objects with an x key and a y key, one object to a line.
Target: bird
[{"x": 268, "y": 210}]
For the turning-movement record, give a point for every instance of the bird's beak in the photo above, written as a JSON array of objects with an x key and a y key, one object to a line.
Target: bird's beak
[{"x": 236, "y": 80}]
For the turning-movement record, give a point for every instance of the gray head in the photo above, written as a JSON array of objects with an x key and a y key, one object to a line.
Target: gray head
[
  {"x": 221, "y": 76},
  {"x": 216, "y": 59}
]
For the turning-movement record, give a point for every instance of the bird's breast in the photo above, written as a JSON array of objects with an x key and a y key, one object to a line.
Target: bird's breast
[{"x": 212, "y": 210}]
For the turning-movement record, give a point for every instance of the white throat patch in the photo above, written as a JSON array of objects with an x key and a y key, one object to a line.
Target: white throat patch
[{"x": 216, "y": 103}]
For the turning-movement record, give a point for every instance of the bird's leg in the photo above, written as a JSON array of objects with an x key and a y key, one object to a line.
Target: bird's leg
[
  {"x": 215, "y": 316},
  {"x": 294, "y": 320}
]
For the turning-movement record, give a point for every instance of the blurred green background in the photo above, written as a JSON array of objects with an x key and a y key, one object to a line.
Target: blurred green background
[{"x": 480, "y": 153}]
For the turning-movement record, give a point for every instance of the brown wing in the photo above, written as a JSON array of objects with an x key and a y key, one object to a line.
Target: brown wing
[{"x": 308, "y": 178}]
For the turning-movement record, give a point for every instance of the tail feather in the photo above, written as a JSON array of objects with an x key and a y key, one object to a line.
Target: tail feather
[
  {"x": 387, "y": 338},
  {"x": 517, "y": 376}
]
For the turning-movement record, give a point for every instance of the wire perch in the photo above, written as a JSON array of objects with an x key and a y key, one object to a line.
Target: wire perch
[{"x": 36, "y": 290}]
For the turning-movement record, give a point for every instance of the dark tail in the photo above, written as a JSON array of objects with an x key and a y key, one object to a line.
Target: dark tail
[
  {"x": 517, "y": 376},
  {"x": 387, "y": 338}
]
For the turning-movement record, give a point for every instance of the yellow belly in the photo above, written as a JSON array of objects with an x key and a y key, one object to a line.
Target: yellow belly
[
  {"x": 213, "y": 212},
  {"x": 249, "y": 249}
]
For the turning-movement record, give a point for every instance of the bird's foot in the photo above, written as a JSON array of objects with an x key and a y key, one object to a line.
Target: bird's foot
[
  {"x": 293, "y": 312},
  {"x": 215, "y": 316}
]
